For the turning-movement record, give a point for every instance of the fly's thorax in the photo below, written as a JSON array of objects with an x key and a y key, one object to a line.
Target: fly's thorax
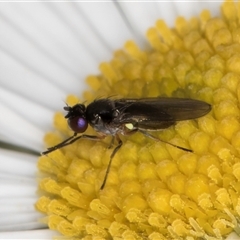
[{"x": 101, "y": 115}]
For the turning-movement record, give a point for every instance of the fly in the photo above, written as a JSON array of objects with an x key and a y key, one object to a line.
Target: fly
[{"x": 127, "y": 116}]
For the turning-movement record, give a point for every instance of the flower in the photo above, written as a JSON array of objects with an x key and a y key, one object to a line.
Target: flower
[{"x": 67, "y": 71}]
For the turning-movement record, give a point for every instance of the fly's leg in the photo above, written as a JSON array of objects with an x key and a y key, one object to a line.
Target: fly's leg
[
  {"x": 71, "y": 140},
  {"x": 112, "y": 142},
  {"x": 157, "y": 139},
  {"x": 110, "y": 161}
]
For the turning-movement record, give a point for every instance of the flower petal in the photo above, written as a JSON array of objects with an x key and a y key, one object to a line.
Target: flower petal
[{"x": 34, "y": 234}]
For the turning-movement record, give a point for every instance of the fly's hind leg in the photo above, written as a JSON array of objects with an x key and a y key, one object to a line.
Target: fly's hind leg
[{"x": 157, "y": 139}]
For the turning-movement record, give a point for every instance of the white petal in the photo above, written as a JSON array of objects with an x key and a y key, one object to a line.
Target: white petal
[
  {"x": 189, "y": 9},
  {"x": 18, "y": 187},
  {"x": 15, "y": 165},
  {"x": 34, "y": 112},
  {"x": 19, "y": 130},
  {"x": 34, "y": 234},
  {"x": 108, "y": 23},
  {"x": 142, "y": 15},
  {"x": 18, "y": 192},
  {"x": 233, "y": 236},
  {"x": 22, "y": 79},
  {"x": 19, "y": 43}
]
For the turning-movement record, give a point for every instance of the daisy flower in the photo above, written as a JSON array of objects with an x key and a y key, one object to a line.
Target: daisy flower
[{"x": 153, "y": 191}]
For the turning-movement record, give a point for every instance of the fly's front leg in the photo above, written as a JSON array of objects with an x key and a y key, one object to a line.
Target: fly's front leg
[
  {"x": 60, "y": 145},
  {"x": 71, "y": 140}
]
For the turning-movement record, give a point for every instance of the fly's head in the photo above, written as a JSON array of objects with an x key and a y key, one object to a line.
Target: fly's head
[{"x": 77, "y": 118}]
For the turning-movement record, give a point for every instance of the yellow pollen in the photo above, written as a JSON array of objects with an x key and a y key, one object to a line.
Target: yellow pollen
[{"x": 154, "y": 190}]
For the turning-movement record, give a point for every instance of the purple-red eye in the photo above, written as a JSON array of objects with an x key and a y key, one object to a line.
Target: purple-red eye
[{"x": 78, "y": 124}]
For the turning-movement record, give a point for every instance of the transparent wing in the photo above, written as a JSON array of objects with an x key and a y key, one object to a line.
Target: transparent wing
[{"x": 159, "y": 113}]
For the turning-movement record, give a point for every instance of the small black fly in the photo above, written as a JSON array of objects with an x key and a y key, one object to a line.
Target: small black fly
[{"x": 127, "y": 116}]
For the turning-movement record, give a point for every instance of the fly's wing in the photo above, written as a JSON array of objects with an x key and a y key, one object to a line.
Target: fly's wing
[{"x": 159, "y": 113}]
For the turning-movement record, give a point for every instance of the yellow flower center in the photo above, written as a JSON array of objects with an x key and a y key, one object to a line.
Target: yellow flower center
[{"x": 156, "y": 191}]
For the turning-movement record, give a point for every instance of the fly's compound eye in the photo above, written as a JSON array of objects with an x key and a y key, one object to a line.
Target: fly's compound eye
[{"x": 78, "y": 124}]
